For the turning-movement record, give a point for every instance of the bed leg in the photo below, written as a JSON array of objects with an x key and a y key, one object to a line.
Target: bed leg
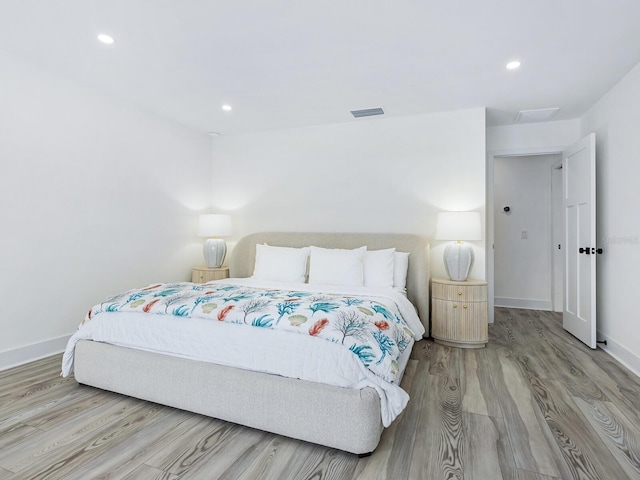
[{"x": 364, "y": 455}]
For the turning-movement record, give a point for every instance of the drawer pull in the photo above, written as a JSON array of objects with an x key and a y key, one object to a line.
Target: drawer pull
[
  {"x": 455, "y": 305},
  {"x": 464, "y": 306},
  {"x": 459, "y": 293}
]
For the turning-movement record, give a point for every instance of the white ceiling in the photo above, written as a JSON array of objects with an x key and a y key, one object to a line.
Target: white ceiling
[{"x": 284, "y": 64}]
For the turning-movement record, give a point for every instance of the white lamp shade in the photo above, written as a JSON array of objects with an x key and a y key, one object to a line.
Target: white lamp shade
[
  {"x": 214, "y": 225},
  {"x": 459, "y": 226}
]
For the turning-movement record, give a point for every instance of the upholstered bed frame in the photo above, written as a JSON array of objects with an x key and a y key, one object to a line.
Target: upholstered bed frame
[{"x": 341, "y": 418}]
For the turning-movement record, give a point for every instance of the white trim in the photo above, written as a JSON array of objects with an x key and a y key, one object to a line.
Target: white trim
[
  {"x": 35, "y": 351},
  {"x": 621, "y": 354},
  {"x": 489, "y": 235},
  {"x": 525, "y": 303},
  {"x": 527, "y": 152},
  {"x": 557, "y": 283}
]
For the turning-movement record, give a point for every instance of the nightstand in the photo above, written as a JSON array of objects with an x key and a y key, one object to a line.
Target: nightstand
[
  {"x": 459, "y": 313},
  {"x": 206, "y": 274}
]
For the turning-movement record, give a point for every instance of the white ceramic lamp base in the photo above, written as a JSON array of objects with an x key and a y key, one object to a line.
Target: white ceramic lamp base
[
  {"x": 458, "y": 258},
  {"x": 215, "y": 249}
]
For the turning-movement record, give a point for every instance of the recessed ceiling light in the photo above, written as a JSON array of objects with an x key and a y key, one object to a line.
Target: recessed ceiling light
[
  {"x": 104, "y": 38},
  {"x": 513, "y": 65},
  {"x": 226, "y": 108}
]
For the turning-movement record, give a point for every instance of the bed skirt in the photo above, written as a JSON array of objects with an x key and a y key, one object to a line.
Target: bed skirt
[{"x": 341, "y": 418}]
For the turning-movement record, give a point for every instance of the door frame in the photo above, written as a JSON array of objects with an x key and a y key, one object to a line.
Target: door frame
[
  {"x": 490, "y": 234},
  {"x": 557, "y": 214}
]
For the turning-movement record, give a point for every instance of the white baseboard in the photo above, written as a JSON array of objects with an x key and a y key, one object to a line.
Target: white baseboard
[
  {"x": 621, "y": 353},
  {"x": 29, "y": 353},
  {"x": 523, "y": 303}
]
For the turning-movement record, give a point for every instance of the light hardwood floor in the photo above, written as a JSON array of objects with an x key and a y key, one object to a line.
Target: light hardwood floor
[{"x": 534, "y": 404}]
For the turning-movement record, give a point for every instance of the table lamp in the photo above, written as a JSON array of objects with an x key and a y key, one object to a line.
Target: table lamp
[
  {"x": 458, "y": 256},
  {"x": 214, "y": 225}
]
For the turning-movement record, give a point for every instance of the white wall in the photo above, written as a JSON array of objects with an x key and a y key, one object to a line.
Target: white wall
[
  {"x": 368, "y": 175},
  {"x": 523, "y": 266},
  {"x": 95, "y": 198},
  {"x": 615, "y": 120},
  {"x": 532, "y": 138}
]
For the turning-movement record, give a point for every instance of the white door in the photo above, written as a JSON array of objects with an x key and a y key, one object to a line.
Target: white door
[{"x": 579, "y": 204}]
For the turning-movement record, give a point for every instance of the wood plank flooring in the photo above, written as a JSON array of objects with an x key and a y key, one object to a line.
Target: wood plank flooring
[{"x": 535, "y": 404}]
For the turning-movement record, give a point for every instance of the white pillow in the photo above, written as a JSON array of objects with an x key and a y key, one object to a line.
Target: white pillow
[
  {"x": 280, "y": 264},
  {"x": 379, "y": 268},
  {"x": 400, "y": 268},
  {"x": 335, "y": 266}
]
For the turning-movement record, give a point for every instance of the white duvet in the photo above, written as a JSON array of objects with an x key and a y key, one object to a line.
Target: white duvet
[{"x": 264, "y": 350}]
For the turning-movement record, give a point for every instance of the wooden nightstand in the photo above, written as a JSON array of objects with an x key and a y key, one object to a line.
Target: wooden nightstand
[
  {"x": 459, "y": 313},
  {"x": 206, "y": 274}
]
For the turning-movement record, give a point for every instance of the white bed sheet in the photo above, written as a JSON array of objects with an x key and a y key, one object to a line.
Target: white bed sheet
[{"x": 264, "y": 350}]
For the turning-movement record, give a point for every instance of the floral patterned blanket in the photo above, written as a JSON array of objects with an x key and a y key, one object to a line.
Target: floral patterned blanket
[{"x": 370, "y": 327}]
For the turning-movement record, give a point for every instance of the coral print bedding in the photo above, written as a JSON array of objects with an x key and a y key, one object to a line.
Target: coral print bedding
[
  {"x": 348, "y": 327},
  {"x": 371, "y": 328}
]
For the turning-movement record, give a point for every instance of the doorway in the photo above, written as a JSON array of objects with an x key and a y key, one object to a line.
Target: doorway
[
  {"x": 524, "y": 264},
  {"x": 524, "y": 233}
]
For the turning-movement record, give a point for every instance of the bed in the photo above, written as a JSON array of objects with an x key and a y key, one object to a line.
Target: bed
[{"x": 349, "y": 416}]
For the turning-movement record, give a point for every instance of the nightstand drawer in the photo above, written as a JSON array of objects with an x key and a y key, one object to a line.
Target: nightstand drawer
[
  {"x": 462, "y": 292},
  {"x": 206, "y": 274}
]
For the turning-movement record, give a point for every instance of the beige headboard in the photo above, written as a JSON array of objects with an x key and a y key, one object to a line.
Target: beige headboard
[{"x": 242, "y": 259}]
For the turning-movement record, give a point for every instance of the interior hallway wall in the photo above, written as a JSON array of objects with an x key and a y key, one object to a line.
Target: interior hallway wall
[{"x": 523, "y": 235}]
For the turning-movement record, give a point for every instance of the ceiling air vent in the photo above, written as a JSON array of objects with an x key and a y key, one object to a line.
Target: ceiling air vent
[
  {"x": 541, "y": 115},
  {"x": 367, "y": 112}
]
